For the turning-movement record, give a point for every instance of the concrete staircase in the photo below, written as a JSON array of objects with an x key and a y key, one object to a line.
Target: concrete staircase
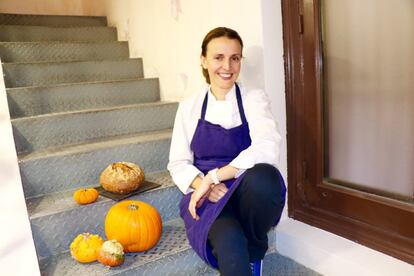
[{"x": 78, "y": 103}]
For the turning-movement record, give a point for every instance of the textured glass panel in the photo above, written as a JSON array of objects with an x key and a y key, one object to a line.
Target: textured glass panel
[{"x": 369, "y": 94}]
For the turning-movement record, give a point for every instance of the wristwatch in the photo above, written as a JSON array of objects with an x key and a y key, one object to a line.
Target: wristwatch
[{"x": 214, "y": 176}]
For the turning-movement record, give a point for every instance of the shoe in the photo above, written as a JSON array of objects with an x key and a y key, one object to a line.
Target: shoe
[{"x": 256, "y": 268}]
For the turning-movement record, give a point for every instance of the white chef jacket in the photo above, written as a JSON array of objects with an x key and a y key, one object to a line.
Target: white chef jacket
[{"x": 263, "y": 132}]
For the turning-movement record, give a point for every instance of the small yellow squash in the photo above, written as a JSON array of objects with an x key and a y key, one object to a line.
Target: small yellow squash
[{"x": 85, "y": 247}]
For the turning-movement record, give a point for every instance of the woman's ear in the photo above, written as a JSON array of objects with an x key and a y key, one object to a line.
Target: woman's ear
[{"x": 203, "y": 61}]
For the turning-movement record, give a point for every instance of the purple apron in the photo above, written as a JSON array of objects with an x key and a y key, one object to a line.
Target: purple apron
[{"x": 214, "y": 147}]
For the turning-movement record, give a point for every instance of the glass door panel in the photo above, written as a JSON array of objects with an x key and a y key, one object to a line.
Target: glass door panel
[{"x": 368, "y": 85}]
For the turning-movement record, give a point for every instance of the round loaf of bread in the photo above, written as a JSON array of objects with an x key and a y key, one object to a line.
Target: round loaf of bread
[{"x": 122, "y": 177}]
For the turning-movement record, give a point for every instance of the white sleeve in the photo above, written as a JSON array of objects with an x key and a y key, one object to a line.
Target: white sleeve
[
  {"x": 180, "y": 163},
  {"x": 265, "y": 147}
]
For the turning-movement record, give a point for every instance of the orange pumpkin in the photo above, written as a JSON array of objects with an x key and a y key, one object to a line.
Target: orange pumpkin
[
  {"x": 111, "y": 253},
  {"x": 84, "y": 248},
  {"x": 85, "y": 196},
  {"x": 135, "y": 224}
]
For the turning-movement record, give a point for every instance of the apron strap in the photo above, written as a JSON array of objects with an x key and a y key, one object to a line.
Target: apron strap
[
  {"x": 239, "y": 104},
  {"x": 204, "y": 108}
]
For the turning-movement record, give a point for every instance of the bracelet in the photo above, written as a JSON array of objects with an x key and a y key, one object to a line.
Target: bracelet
[{"x": 214, "y": 176}]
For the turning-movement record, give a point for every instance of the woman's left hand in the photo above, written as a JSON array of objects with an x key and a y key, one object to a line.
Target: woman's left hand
[{"x": 217, "y": 192}]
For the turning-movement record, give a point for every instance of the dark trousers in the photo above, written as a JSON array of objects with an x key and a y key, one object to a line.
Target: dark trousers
[{"x": 239, "y": 234}]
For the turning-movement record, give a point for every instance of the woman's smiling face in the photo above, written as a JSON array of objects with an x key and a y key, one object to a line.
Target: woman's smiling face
[{"x": 223, "y": 63}]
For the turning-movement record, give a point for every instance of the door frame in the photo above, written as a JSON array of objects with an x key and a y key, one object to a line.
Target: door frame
[{"x": 376, "y": 221}]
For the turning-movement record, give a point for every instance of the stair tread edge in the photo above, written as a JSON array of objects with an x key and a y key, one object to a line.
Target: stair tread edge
[
  {"x": 139, "y": 59},
  {"x": 97, "y": 144},
  {"x": 13, "y": 89},
  {"x": 94, "y": 110}
]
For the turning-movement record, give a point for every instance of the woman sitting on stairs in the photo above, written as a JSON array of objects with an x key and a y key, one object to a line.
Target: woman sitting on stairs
[{"x": 224, "y": 151}]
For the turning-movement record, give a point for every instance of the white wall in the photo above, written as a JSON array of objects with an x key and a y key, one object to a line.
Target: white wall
[
  {"x": 274, "y": 76},
  {"x": 16, "y": 243},
  {"x": 332, "y": 255},
  {"x": 168, "y": 35}
]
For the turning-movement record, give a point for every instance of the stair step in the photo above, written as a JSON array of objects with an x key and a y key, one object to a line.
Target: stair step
[
  {"x": 171, "y": 256},
  {"x": 73, "y": 127},
  {"x": 58, "y": 213},
  {"x": 56, "y": 203},
  {"x": 44, "y": 74},
  {"x": 172, "y": 252},
  {"x": 62, "y": 51},
  {"x": 51, "y": 20},
  {"x": 69, "y": 167},
  {"x": 183, "y": 263},
  {"x": 32, "y": 101},
  {"x": 44, "y": 33}
]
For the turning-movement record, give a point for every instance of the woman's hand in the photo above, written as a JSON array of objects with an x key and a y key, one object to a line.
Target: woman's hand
[
  {"x": 217, "y": 192},
  {"x": 202, "y": 188},
  {"x": 198, "y": 197}
]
